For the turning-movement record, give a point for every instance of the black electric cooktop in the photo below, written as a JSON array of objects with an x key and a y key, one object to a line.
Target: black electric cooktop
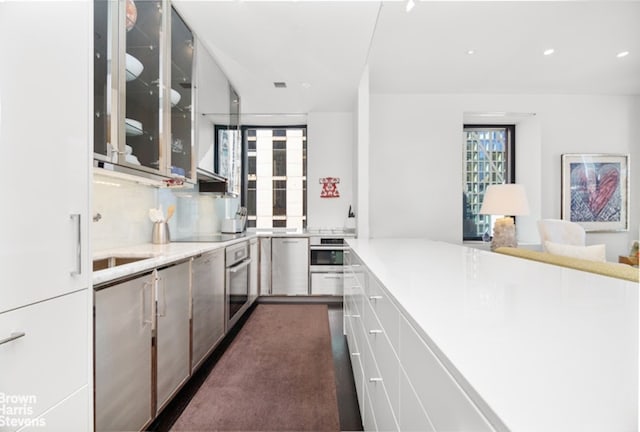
[{"x": 210, "y": 238}]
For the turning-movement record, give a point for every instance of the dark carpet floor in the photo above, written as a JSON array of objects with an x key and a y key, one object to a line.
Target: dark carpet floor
[{"x": 276, "y": 375}]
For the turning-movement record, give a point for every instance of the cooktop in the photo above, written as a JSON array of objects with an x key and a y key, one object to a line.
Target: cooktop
[{"x": 209, "y": 238}]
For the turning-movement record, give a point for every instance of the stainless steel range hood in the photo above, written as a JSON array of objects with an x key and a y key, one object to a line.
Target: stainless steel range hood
[
  {"x": 211, "y": 182},
  {"x": 205, "y": 176}
]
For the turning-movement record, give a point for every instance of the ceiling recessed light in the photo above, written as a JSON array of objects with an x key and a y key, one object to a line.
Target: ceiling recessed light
[
  {"x": 305, "y": 84},
  {"x": 410, "y": 5},
  {"x": 622, "y": 54},
  {"x": 549, "y": 51},
  {"x": 471, "y": 52}
]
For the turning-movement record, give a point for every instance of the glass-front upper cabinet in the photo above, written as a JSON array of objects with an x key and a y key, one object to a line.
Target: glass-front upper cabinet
[
  {"x": 181, "y": 97},
  {"x": 143, "y": 69},
  {"x": 143, "y": 56},
  {"x": 102, "y": 80}
]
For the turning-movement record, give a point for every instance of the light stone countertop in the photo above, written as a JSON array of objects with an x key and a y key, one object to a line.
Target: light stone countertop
[
  {"x": 545, "y": 348},
  {"x": 157, "y": 256}
]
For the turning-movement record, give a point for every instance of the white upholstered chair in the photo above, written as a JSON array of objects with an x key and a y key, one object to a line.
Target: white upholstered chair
[{"x": 561, "y": 231}]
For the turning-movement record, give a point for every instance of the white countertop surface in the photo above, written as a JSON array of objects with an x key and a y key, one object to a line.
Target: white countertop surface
[
  {"x": 158, "y": 255},
  {"x": 545, "y": 347}
]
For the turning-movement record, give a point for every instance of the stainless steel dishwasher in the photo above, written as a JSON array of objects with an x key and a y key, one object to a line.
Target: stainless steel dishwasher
[{"x": 290, "y": 266}]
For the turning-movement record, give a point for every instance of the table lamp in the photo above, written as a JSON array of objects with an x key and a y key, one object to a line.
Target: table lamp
[{"x": 505, "y": 200}]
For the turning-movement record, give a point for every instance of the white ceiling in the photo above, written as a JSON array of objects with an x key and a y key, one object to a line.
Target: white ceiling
[{"x": 327, "y": 43}]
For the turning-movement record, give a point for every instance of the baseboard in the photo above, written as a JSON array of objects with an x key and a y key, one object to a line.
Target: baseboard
[{"x": 300, "y": 299}]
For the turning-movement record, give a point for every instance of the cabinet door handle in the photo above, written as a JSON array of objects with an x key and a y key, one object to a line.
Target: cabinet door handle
[
  {"x": 240, "y": 266},
  {"x": 144, "y": 304},
  {"x": 375, "y": 297},
  {"x": 355, "y": 354},
  {"x": 375, "y": 379},
  {"x": 375, "y": 331},
  {"x": 355, "y": 316},
  {"x": 164, "y": 298},
  {"x": 13, "y": 336},
  {"x": 78, "y": 270}
]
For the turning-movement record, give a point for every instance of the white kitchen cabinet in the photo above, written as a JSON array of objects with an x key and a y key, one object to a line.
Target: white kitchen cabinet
[
  {"x": 45, "y": 140},
  {"x": 253, "y": 270},
  {"x": 290, "y": 266},
  {"x": 411, "y": 416},
  {"x": 172, "y": 354},
  {"x": 71, "y": 414},
  {"x": 405, "y": 386},
  {"x": 207, "y": 304},
  {"x": 329, "y": 283},
  {"x": 50, "y": 361},
  {"x": 444, "y": 401},
  {"x": 45, "y": 117},
  {"x": 124, "y": 316}
]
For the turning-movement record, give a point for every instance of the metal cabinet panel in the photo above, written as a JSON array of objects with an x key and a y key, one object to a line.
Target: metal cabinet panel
[
  {"x": 265, "y": 266},
  {"x": 207, "y": 304},
  {"x": 123, "y": 382},
  {"x": 172, "y": 331},
  {"x": 290, "y": 266},
  {"x": 253, "y": 270}
]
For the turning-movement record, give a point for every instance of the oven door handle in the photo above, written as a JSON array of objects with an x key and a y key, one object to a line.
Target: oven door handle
[
  {"x": 328, "y": 247},
  {"x": 240, "y": 266}
]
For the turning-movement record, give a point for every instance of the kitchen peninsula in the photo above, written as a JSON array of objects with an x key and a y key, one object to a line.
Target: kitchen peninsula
[{"x": 503, "y": 343}]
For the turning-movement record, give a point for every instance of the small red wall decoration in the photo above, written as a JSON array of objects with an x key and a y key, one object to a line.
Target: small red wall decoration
[{"x": 329, "y": 187}]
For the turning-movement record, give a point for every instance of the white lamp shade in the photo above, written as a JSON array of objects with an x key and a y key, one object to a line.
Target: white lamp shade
[{"x": 505, "y": 199}]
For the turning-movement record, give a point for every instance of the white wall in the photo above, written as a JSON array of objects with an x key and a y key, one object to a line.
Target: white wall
[
  {"x": 330, "y": 142},
  {"x": 362, "y": 151},
  {"x": 416, "y": 157}
]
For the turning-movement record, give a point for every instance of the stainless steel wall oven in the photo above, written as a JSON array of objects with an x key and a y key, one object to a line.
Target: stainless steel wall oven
[
  {"x": 237, "y": 281},
  {"x": 326, "y": 260}
]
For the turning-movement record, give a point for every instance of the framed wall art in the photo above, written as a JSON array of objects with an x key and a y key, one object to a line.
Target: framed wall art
[{"x": 595, "y": 191}]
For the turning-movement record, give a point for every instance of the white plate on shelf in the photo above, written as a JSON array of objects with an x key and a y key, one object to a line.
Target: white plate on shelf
[
  {"x": 132, "y": 159},
  {"x": 133, "y": 66},
  {"x": 175, "y": 97},
  {"x": 133, "y": 127}
]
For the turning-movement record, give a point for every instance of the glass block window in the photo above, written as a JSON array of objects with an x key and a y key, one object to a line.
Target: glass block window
[
  {"x": 276, "y": 177},
  {"x": 489, "y": 159}
]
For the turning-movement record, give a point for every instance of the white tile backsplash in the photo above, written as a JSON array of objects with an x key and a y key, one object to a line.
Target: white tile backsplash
[{"x": 124, "y": 209}]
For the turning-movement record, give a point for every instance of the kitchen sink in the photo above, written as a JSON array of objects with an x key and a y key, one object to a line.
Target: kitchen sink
[{"x": 114, "y": 261}]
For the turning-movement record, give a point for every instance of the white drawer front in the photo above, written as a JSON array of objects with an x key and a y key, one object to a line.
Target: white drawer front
[
  {"x": 51, "y": 361},
  {"x": 386, "y": 360},
  {"x": 412, "y": 417},
  {"x": 368, "y": 416},
  {"x": 385, "y": 311},
  {"x": 358, "y": 378},
  {"x": 72, "y": 414},
  {"x": 326, "y": 284},
  {"x": 384, "y": 417},
  {"x": 446, "y": 404}
]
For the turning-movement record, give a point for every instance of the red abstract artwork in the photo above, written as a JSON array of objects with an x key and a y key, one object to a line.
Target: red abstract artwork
[{"x": 329, "y": 187}]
